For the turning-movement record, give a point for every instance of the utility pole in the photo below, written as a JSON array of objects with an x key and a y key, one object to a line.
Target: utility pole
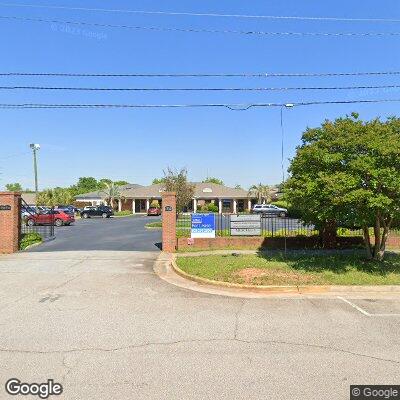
[{"x": 35, "y": 148}]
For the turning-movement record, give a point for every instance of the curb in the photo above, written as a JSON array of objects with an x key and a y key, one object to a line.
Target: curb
[{"x": 285, "y": 289}]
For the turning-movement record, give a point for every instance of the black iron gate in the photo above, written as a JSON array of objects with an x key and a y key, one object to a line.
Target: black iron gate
[{"x": 38, "y": 220}]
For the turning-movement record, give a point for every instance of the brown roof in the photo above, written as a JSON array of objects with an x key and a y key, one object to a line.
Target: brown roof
[
  {"x": 202, "y": 191},
  {"x": 101, "y": 195}
]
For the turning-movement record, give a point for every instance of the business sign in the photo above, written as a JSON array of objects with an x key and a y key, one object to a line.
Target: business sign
[
  {"x": 203, "y": 226},
  {"x": 245, "y": 225},
  {"x": 5, "y": 208}
]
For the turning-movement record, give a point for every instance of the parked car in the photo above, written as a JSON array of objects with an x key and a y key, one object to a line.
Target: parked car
[
  {"x": 154, "y": 211},
  {"x": 68, "y": 209},
  {"x": 269, "y": 209},
  {"x": 56, "y": 217},
  {"x": 98, "y": 211}
]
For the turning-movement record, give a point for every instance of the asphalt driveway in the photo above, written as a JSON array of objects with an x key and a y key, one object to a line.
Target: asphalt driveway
[
  {"x": 111, "y": 234},
  {"x": 105, "y": 326}
]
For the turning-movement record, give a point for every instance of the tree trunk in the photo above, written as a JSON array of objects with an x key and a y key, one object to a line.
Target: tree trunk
[
  {"x": 379, "y": 253},
  {"x": 377, "y": 234},
  {"x": 329, "y": 235},
  {"x": 367, "y": 240}
]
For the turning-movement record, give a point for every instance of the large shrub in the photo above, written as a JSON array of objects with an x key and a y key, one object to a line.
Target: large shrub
[
  {"x": 28, "y": 239},
  {"x": 212, "y": 208}
]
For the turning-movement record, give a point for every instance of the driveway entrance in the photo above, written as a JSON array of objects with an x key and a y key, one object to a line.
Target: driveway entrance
[{"x": 112, "y": 234}]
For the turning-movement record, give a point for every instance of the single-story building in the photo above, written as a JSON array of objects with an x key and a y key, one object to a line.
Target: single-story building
[
  {"x": 98, "y": 197},
  {"x": 138, "y": 198}
]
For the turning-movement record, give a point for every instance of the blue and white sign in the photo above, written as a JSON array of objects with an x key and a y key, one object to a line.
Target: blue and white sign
[{"x": 203, "y": 226}]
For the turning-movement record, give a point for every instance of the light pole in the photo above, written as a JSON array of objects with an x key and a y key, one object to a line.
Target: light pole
[{"x": 35, "y": 148}]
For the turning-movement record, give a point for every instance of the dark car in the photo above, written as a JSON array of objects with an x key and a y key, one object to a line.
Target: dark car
[
  {"x": 98, "y": 211},
  {"x": 51, "y": 217},
  {"x": 154, "y": 211},
  {"x": 67, "y": 209}
]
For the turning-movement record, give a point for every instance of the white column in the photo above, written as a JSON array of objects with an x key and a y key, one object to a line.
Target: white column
[
  {"x": 194, "y": 205},
  {"x": 219, "y": 206},
  {"x": 147, "y": 204},
  {"x": 234, "y": 206},
  {"x": 249, "y": 205},
  {"x": 133, "y": 206},
  {"x": 119, "y": 205}
]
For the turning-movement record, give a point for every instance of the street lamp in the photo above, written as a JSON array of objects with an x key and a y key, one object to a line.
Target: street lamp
[{"x": 35, "y": 148}]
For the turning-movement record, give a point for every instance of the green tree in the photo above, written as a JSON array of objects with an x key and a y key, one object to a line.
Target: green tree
[
  {"x": 85, "y": 185},
  {"x": 176, "y": 181},
  {"x": 157, "y": 181},
  {"x": 14, "y": 187},
  {"x": 112, "y": 193},
  {"x": 263, "y": 193},
  {"x": 347, "y": 171},
  {"x": 104, "y": 182},
  {"x": 55, "y": 197},
  {"x": 213, "y": 180},
  {"x": 121, "y": 183}
]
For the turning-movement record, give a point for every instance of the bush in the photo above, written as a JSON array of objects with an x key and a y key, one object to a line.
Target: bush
[
  {"x": 122, "y": 213},
  {"x": 213, "y": 208},
  {"x": 155, "y": 203},
  {"x": 28, "y": 239}
]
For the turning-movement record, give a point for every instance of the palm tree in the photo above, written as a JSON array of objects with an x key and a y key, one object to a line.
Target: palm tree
[
  {"x": 112, "y": 192},
  {"x": 262, "y": 192}
]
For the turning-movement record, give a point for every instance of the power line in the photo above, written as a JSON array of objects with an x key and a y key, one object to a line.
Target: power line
[
  {"x": 203, "y": 75},
  {"x": 230, "y": 89},
  {"x": 194, "y": 30},
  {"x": 236, "y": 107},
  {"x": 191, "y": 14}
]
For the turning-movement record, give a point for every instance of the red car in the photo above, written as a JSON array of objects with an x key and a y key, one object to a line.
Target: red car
[
  {"x": 154, "y": 211},
  {"x": 56, "y": 217}
]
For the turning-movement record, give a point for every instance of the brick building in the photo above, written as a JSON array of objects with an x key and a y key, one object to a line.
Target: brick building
[{"x": 138, "y": 198}]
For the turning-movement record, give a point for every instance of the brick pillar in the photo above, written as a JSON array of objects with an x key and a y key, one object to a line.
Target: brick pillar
[
  {"x": 169, "y": 222},
  {"x": 10, "y": 216}
]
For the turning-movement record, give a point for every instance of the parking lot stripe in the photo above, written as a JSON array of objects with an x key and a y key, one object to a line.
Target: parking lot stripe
[{"x": 355, "y": 306}]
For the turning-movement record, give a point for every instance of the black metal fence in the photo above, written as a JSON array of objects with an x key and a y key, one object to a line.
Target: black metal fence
[
  {"x": 37, "y": 220},
  {"x": 269, "y": 226}
]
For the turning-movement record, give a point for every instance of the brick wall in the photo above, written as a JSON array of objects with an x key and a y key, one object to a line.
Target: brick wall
[
  {"x": 256, "y": 242},
  {"x": 126, "y": 205},
  {"x": 393, "y": 242},
  {"x": 9, "y": 222},
  {"x": 169, "y": 222}
]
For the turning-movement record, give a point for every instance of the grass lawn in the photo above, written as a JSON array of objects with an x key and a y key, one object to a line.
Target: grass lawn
[
  {"x": 295, "y": 269},
  {"x": 157, "y": 224}
]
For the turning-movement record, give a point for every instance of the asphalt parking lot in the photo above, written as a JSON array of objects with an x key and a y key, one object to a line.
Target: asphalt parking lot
[
  {"x": 111, "y": 234},
  {"x": 105, "y": 326}
]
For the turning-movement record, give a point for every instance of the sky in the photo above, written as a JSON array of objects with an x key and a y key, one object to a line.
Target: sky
[{"x": 239, "y": 147}]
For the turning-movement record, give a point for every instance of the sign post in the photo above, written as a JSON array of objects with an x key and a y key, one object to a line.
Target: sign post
[{"x": 203, "y": 226}]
